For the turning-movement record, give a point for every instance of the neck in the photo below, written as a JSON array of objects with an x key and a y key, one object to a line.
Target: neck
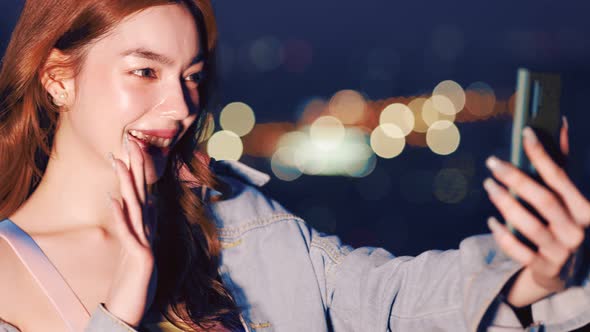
[{"x": 73, "y": 191}]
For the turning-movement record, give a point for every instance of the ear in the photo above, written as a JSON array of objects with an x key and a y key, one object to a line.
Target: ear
[{"x": 57, "y": 77}]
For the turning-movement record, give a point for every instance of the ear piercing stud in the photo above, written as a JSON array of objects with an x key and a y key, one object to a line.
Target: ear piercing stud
[{"x": 62, "y": 96}]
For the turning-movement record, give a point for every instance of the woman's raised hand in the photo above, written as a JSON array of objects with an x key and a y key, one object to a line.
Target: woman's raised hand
[
  {"x": 135, "y": 217},
  {"x": 564, "y": 207}
]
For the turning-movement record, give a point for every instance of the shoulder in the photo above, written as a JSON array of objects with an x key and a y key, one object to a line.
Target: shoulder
[
  {"x": 11, "y": 278},
  {"x": 248, "y": 205}
]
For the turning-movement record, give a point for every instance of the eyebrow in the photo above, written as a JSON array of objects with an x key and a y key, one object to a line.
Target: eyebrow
[{"x": 151, "y": 55}]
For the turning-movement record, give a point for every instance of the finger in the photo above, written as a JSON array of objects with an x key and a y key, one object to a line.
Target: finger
[
  {"x": 509, "y": 244},
  {"x": 123, "y": 227},
  {"x": 555, "y": 254},
  {"x": 556, "y": 178},
  {"x": 521, "y": 219},
  {"x": 540, "y": 198},
  {"x": 136, "y": 165},
  {"x": 543, "y": 270},
  {"x": 130, "y": 199},
  {"x": 518, "y": 216},
  {"x": 563, "y": 137}
]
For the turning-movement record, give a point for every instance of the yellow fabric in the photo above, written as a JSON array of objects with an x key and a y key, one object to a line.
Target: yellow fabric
[{"x": 160, "y": 327}]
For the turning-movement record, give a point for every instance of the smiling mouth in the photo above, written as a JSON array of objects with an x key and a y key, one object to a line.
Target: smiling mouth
[{"x": 150, "y": 144}]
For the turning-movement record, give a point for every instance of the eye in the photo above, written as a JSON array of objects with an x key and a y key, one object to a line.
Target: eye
[
  {"x": 196, "y": 77},
  {"x": 145, "y": 72}
]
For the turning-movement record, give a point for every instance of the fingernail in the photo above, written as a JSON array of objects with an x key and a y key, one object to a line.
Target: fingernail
[
  {"x": 112, "y": 159},
  {"x": 494, "y": 224},
  {"x": 495, "y": 164},
  {"x": 565, "y": 123},
  {"x": 529, "y": 135},
  {"x": 491, "y": 186}
]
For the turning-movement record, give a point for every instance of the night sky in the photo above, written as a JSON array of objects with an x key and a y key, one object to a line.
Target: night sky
[{"x": 390, "y": 49}]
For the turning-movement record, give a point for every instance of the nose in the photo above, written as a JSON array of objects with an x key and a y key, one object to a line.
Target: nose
[{"x": 176, "y": 103}]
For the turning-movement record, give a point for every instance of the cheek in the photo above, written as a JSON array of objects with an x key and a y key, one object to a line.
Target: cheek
[
  {"x": 115, "y": 98},
  {"x": 108, "y": 103}
]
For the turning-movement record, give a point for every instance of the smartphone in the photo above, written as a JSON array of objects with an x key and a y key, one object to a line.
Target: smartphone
[{"x": 537, "y": 106}]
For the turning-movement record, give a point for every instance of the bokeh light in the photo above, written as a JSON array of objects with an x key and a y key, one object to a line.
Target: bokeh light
[
  {"x": 266, "y": 53},
  {"x": 237, "y": 117},
  {"x": 352, "y": 157},
  {"x": 416, "y": 106},
  {"x": 450, "y": 186},
  {"x": 282, "y": 163},
  {"x": 443, "y": 137},
  {"x": 348, "y": 106},
  {"x": 451, "y": 90},
  {"x": 364, "y": 164},
  {"x": 387, "y": 140},
  {"x": 326, "y": 132},
  {"x": 399, "y": 115},
  {"x": 225, "y": 145},
  {"x": 430, "y": 114},
  {"x": 480, "y": 99}
]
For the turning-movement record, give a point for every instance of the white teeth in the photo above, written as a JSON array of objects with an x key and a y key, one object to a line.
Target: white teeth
[{"x": 153, "y": 140}]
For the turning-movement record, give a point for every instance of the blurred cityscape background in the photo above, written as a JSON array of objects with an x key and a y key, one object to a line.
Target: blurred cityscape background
[{"x": 374, "y": 118}]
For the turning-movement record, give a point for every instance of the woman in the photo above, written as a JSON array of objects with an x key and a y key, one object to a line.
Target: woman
[{"x": 108, "y": 97}]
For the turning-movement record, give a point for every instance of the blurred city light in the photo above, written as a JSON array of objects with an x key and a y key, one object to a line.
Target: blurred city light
[
  {"x": 266, "y": 53},
  {"x": 326, "y": 132},
  {"x": 451, "y": 90},
  {"x": 351, "y": 157},
  {"x": 443, "y": 137},
  {"x": 344, "y": 134},
  {"x": 450, "y": 186},
  {"x": 237, "y": 117},
  {"x": 416, "y": 106},
  {"x": 399, "y": 115},
  {"x": 388, "y": 140},
  {"x": 282, "y": 164},
  {"x": 431, "y": 114},
  {"x": 225, "y": 145},
  {"x": 480, "y": 99},
  {"x": 348, "y": 106}
]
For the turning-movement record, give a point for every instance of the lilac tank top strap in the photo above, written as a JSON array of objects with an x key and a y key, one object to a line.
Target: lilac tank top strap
[{"x": 51, "y": 282}]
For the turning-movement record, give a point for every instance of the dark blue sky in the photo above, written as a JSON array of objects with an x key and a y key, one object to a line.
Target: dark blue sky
[{"x": 391, "y": 48}]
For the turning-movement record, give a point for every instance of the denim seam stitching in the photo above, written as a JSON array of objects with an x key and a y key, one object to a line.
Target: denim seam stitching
[
  {"x": 334, "y": 254},
  {"x": 233, "y": 232}
]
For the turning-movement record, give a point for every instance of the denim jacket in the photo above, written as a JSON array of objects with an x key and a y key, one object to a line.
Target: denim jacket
[{"x": 286, "y": 276}]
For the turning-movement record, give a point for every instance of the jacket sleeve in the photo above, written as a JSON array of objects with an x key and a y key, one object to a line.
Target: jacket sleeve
[
  {"x": 369, "y": 289},
  {"x": 5, "y": 327},
  {"x": 103, "y": 320}
]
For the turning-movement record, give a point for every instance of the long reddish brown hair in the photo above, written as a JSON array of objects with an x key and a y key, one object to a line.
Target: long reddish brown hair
[{"x": 187, "y": 248}]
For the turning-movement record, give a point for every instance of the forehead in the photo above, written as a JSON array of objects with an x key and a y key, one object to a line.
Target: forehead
[{"x": 167, "y": 29}]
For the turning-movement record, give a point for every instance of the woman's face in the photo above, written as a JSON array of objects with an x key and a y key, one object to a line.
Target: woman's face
[{"x": 140, "y": 79}]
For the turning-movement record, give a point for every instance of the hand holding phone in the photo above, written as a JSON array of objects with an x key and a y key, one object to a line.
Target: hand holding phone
[{"x": 536, "y": 106}]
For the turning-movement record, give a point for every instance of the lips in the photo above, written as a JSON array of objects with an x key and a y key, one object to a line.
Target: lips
[
  {"x": 163, "y": 133},
  {"x": 154, "y": 140}
]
